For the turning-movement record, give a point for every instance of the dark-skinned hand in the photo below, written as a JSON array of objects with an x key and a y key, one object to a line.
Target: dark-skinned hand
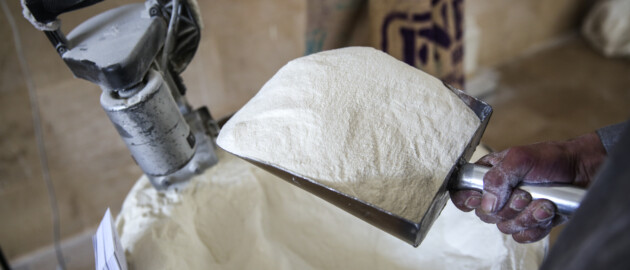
[{"x": 572, "y": 162}]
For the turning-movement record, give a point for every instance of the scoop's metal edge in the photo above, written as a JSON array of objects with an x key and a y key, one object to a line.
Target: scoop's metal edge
[
  {"x": 402, "y": 228},
  {"x": 372, "y": 214},
  {"x": 483, "y": 111}
]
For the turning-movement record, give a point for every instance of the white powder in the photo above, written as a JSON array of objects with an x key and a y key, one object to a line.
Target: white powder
[
  {"x": 236, "y": 216},
  {"x": 359, "y": 121}
]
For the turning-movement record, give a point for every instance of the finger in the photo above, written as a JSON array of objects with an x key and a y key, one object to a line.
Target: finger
[
  {"x": 538, "y": 213},
  {"x": 516, "y": 204},
  {"x": 466, "y": 200},
  {"x": 487, "y": 217},
  {"x": 496, "y": 190},
  {"x": 503, "y": 177},
  {"x": 531, "y": 235}
]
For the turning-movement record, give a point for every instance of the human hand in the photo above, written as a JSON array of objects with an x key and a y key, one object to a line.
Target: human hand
[{"x": 572, "y": 162}]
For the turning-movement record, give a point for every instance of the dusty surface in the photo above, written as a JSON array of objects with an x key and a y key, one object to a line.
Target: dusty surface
[
  {"x": 279, "y": 226},
  {"x": 359, "y": 121}
]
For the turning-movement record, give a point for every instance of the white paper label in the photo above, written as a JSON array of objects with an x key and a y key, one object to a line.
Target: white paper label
[{"x": 108, "y": 252}]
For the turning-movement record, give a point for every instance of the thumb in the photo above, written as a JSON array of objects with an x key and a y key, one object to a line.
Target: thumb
[{"x": 492, "y": 159}]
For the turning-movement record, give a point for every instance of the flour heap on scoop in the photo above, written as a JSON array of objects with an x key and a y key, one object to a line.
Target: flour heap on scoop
[{"x": 359, "y": 121}]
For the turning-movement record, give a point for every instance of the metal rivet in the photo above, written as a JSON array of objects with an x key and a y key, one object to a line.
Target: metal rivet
[
  {"x": 62, "y": 49},
  {"x": 153, "y": 11}
]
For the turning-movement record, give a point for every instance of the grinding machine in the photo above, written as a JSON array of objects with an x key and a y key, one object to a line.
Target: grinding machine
[{"x": 136, "y": 53}]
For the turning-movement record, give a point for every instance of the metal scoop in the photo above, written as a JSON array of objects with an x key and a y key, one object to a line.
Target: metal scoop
[{"x": 462, "y": 175}]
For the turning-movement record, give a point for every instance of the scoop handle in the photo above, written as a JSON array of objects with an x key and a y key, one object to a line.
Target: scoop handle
[{"x": 567, "y": 198}]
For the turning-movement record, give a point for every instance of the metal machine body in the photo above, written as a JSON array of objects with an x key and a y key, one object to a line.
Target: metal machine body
[{"x": 135, "y": 53}]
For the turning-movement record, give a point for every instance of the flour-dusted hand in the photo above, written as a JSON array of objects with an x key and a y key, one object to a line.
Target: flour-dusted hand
[{"x": 572, "y": 162}]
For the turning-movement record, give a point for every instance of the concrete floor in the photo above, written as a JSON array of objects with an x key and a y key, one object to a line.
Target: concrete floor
[
  {"x": 557, "y": 93},
  {"x": 552, "y": 94}
]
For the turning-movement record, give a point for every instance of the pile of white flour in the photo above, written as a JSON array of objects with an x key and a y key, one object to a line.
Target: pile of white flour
[
  {"x": 359, "y": 121},
  {"x": 236, "y": 216}
]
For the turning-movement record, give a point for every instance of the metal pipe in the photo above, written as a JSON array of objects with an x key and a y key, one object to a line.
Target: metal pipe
[
  {"x": 170, "y": 33},
  {"x": 156, "y": 133}
]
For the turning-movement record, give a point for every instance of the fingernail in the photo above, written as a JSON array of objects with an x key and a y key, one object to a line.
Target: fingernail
[
  {"x": 524, "y": 238},
  {"x": 543, "y": 213},
  {"x": 487, "y": 202},
  {"x": 519, "y": 203},
  {"x": 473, "y": 202}
]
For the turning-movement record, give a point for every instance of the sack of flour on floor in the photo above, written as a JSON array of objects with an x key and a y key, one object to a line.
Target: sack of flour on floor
[{"x": 607, "y": 27}]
